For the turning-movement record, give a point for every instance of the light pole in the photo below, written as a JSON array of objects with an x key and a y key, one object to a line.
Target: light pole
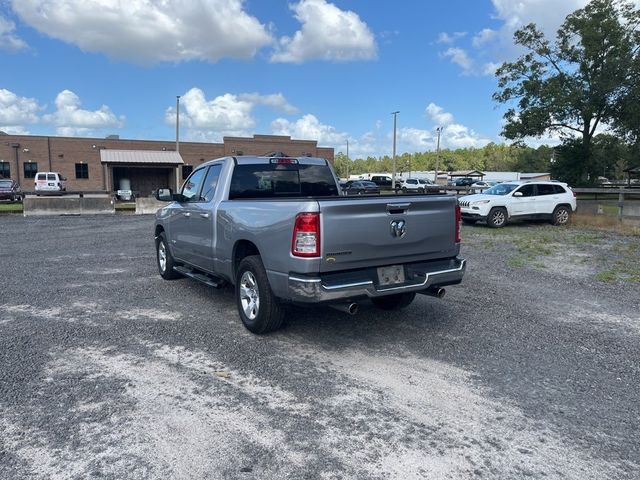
[
  {"x": 347, "y": 159},
  {"x": 177, "y": 123},
  {"x": 435, "y": 179},
  {"x": 393, "y": 177}
]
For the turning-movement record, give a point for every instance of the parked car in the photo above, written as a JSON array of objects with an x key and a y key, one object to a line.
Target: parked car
[
  {"x": 519, "y": 200},
  {"x": 50, "y": 182},
  {"x": 461, "y": 182},
  {"x": 279, "y": 230},
  {"x": 415, "y": 185},
  {"x": 10, "y": 190},
  {"x": 383, "y": 181},
  {"x": 361, "y": 187}
]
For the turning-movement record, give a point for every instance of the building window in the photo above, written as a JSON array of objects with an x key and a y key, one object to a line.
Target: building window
[
  {"x": 5, "y": 170},
  {"x": 186, "y": 171},
  {"x": 30, "y": 169},
  {"x": 82, "y": 170}
]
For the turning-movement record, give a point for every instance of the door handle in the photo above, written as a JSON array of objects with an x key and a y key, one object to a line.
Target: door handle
[
  {"x": 186, "y": 214},
  {"x": 204, "y": 215}
]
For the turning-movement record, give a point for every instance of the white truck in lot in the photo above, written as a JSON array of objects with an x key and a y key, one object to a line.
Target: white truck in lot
[
  {"x": 507, "y": 201},
  {"x": 282, "y": 233}
]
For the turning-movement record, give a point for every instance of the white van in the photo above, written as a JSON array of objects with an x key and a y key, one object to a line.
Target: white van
[{"x": 50, "y": 182}]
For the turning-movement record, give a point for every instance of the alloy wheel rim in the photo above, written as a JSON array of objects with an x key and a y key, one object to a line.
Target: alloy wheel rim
[
  {"x": 249, "y": 295},
  {"x": 498, "y": 218},
  {"x": 162, "y": 256},
  {"x": 562, "y": 216}
]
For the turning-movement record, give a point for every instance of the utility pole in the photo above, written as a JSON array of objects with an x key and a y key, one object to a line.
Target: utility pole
[
  {"x": 177, "y": 123},
  {"x": 393, "y": 177},
  {"x": 347, "y": 159},
  {"x": 435, "y": 179}
]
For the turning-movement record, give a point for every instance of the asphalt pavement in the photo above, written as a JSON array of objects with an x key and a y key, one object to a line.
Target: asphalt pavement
[{"x": 108, "y": 371}]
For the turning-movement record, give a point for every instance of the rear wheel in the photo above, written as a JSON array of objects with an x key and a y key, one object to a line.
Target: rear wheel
[
  {"x": 165, "y": 259},
  {"x": 497, "y": 217},
  {"x": 258, "y": 307},
  {"x": 421, "y": 190},
  {"x": 561, "y": 215},
  {"x": 394, "y": 302}
]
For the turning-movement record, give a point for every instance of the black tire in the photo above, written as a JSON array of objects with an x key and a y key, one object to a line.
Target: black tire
[
  {"x": 404, "y": 189},
  {"x": 258, "y": 307},
  {"x": 394, "y": 302},
  {"x": 162, "y": 252},
  {"x": 421, "y": 190},
  {"x": 497, "y": 217},
  {"x": 468, "y": 221},
  {"x": 561, "y": 215}
]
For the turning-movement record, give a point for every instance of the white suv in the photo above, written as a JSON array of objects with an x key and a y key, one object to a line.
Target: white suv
[
  {"x": 519, "y": 200},
  {"x": 415, "y": 185}
]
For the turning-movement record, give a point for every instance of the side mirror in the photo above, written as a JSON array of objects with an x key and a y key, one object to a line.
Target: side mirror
[
  {"x": 517, "y": 194},
  {"x": 164, "y": 195}
]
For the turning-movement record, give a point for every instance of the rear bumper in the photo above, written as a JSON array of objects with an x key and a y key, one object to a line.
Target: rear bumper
[{"x": 364, "y": 283}]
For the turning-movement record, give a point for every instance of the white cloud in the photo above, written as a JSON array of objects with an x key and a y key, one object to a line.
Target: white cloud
[
  {"x": 460, "y": 57},
  {"x": 485, "y": 35},
  {"x": 71, "y": 120},
  {"x": 548, "y": 15},
  {"x": 308, "y": 127},
  {"x": 327, "y": 33},
  {"x": 228, "y": 114},
  {"x": 275, "y": 100},
  {"x": 438, "y": 115},
  {"x": 149, "y": 31},
  {"x": 16, "y": 111},
  {"x": 8, "y": 40},
  {"x": 448, "y": 39},
  {"x": 487, "y": 49}
]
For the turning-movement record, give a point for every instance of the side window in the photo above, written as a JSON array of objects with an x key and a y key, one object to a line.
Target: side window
[
  {"x": 527, "y": 190},
  {"x": 559, "y": 189},
  {"x": 211, "y": 182},
  {"x": 545, "y": 189},
  {"x": 191, "y": 187}
]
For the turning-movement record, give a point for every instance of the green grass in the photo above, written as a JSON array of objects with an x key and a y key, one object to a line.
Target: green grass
[
  {"x": 608, "y": 276},
  {"x": 125, "y": 207},
  {"x": 11, "y": 207}
]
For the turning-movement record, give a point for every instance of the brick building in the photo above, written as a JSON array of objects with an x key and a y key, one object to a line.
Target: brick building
[{"x": 101, "y": 164}]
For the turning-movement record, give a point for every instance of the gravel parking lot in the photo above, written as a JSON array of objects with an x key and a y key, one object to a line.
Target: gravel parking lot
[{"x": 529, "y": 369}]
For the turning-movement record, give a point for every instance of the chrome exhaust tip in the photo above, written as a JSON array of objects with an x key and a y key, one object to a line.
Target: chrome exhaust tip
[
  {"x": 350, "y": 308},
  {"x": 437, "y": 292}
]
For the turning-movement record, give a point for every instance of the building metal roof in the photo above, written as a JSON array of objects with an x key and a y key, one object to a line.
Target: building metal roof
[
  {"x": 466, "y": 173},
  {"x": 146, "y": 157}
]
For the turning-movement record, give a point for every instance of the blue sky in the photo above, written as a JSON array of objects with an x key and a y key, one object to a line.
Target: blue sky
[{"x": 312, "y": 69}]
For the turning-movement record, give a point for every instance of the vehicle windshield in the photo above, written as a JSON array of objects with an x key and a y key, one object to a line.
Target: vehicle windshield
[
  {"x": 500, "y": 189},
  {"x": 5, "y": 183}
]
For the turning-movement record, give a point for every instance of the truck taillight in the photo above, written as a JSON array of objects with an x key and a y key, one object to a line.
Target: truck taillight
[
  {"x": 458, "y": 219},
  {"x": 306, "y": 235}
]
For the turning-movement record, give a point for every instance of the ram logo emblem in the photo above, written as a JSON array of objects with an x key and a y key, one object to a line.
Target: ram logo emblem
[{"x": 398, "y": 228}]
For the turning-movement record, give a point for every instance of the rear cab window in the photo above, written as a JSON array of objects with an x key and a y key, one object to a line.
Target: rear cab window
[{"x": 282, "y": 180}]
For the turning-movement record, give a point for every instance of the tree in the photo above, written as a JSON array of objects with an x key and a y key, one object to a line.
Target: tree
[{"x": 576, "y": 83}]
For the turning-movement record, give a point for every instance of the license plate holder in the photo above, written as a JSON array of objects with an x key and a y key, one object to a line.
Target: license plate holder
[{"x": 391, "y": 275}]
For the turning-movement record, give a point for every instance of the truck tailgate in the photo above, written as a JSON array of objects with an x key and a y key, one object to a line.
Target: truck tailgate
[{"x": 368, "y": 231}]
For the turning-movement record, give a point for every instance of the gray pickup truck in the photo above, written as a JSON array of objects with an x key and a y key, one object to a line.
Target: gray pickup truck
[{"x": 280, "y": 230}]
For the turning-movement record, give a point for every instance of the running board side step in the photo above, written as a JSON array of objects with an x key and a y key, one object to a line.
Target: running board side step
[{"x": 201, "y": 277}]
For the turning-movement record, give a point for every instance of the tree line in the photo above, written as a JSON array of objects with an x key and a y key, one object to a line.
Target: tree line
[{"x": 611, "y": 155}]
